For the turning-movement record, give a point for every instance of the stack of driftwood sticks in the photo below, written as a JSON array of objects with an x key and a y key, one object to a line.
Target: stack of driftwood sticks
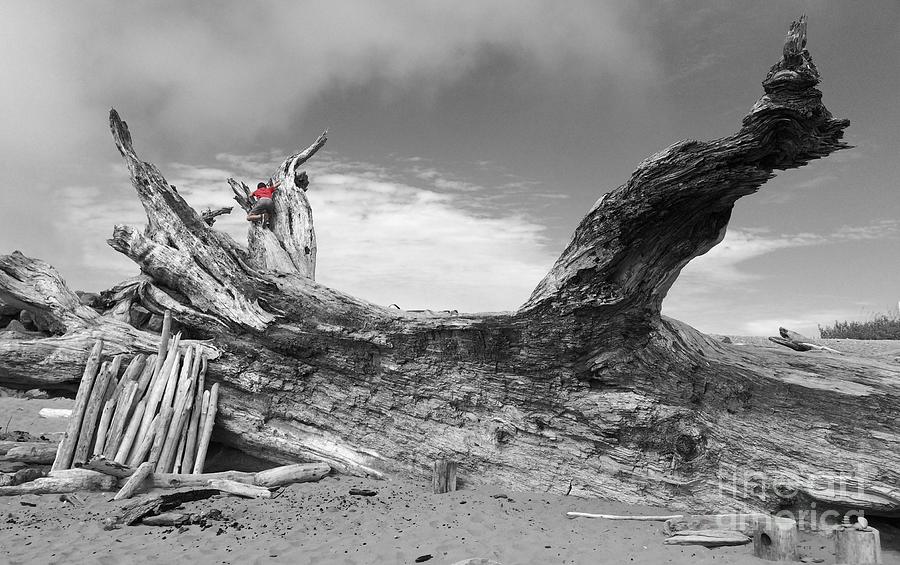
[{"x": 158, "y": 411}]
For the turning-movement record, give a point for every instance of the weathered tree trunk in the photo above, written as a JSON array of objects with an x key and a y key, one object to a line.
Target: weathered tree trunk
[
  {"x": 586, "y": 389},
  {"x": 289, "y": 245}
]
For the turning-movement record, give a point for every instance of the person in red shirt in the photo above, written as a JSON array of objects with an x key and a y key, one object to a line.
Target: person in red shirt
[{"x": 264, "y": 208}]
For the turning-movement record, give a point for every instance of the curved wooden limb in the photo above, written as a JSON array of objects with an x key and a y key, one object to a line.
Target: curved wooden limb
[{"x": 629, "y": 249}]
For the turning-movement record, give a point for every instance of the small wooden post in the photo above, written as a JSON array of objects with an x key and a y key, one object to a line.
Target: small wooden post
[
  {"x": 857, "y": 547},
  {"x": 444, "y": 478},
  {"x": 775, "y": 539}
]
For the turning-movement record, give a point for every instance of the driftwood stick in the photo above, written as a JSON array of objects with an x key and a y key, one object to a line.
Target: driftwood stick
[
  {"x": 207, "y": 429},
  {"x": 157, "y": 387},
  {"x": 139, "y": 454},
  {"x": 70, "y": 439},
  {"x": 179, "y": 480},
  {"x": 172, "y": 381},
  {"x": 127, "y": 399},
  {"x": 190, "y": 447},
  {"x": 240, "y": 489},
  {"x": 113, "y": 389},
  {"x": 173, "y": 436},
  {"x": 124, "y": 408},
  {"x": 132, "y": 372},
  {"x": 92, "y": 411},
  {"x": 134, "y": 425},
  {"x": 135, "y": 481},
  {"x": 159, "y": 438},
  {"x": 650, "y": 518},
  {"x": 288, "y": 474},
  {"x": 6, "y": 445},
  {"x": 204, "y": 410},
  {"x": 790, "y": 344},
  {"x": 146, "y": 376},
  {"x": 161, "y": 354},
  {"x": 61, "y": 481},
  {"x": 279, "y": 476},
  {"x": 106, "y": 416},
  {"x": 708, "y": 538},
  {"x": 170, "y": 519},
  {"x": 35, "y": 453},
  {"x": 179, "y": 452}
]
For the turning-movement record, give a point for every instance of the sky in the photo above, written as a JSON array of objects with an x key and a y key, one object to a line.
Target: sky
[{"x": 466, "y": 139}]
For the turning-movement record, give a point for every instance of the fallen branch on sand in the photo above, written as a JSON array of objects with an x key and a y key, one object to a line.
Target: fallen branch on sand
[
  {"x": 240, "y": 489},
  {"x": 63, "y": 481},
  {"x": 134, "y": 511},
  {"x": 100, "y": 474},
  {"x": 34, "y": 452},
  {"x": 624, "y": 517}
]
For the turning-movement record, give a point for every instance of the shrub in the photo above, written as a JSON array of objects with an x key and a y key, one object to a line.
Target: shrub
[{"x": 881, "y": 326}]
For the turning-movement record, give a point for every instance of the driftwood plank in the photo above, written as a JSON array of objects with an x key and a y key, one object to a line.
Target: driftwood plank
[{"x": 708, "y": 538}]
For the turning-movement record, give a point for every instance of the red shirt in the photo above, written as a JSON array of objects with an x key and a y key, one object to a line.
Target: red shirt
[{"x": 265, "y": 192}]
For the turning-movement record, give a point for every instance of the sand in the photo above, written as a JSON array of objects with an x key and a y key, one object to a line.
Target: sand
[
  {"x": 316, "y": 523},
  {"x": 321, "y": 523}
]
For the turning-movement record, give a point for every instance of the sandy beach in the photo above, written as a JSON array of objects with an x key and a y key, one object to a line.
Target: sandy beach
[{"x": 321, "y": 523}]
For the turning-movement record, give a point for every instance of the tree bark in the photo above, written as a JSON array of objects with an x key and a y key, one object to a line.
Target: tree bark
[{"x": 586, "y": 389}]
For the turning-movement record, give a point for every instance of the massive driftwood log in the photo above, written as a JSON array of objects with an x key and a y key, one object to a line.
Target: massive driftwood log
[{"x": 586, "y": 389}]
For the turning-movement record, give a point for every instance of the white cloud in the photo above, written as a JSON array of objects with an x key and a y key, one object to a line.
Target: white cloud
[
  {"x": 720, "y": 292},
  {"x": 390, "y": 241},
  {"x": 379, "y": 237},
  {"x": 722, "y": 265}
]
